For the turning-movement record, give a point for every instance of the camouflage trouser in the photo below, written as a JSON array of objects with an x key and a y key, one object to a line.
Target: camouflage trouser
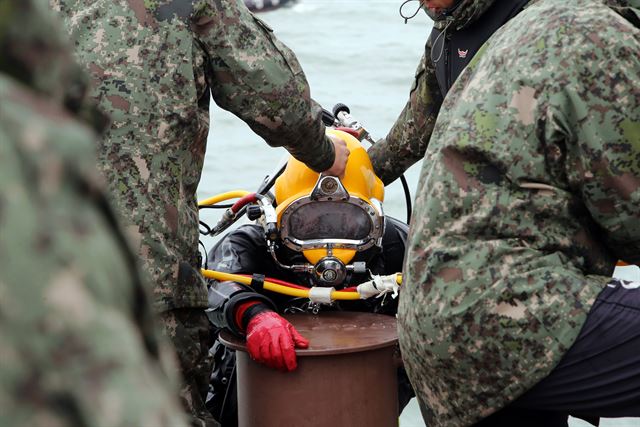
[{"x": 188, "y": 329}]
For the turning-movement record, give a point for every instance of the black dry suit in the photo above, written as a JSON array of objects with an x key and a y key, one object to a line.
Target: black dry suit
[{"x": 453, "y": 48}]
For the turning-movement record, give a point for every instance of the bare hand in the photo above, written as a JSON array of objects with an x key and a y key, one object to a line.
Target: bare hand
[{"x": 340, "y": 161}]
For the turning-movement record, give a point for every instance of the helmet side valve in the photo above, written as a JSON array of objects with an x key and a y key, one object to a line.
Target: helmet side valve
[
  {"x": 346, "y": 120},
  {"x": 267, "y": 217},
  {"x": 232, "y": 214},
  {"x": 352, "y": 126}
]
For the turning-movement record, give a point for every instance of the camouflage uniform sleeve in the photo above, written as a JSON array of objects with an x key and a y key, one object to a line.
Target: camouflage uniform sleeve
[
  {"x": 257, "y": 78},
  {"x": 407, "y": 141},
  {"x": 604, "y": 125}
]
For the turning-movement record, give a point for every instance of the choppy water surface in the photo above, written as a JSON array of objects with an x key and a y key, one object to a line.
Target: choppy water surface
[{"x": 358, "y": 52}]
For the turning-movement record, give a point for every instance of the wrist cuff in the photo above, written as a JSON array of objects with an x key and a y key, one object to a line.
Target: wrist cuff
[{"x": 250, "y": 312}]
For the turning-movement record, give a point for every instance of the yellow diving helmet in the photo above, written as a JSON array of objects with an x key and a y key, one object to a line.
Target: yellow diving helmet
[{"x": 330, "y": 219}]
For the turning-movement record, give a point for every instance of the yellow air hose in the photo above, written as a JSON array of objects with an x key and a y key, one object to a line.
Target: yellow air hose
[
  {"x": 236, "y": 194},
  {"x": 274, "y": 287}
]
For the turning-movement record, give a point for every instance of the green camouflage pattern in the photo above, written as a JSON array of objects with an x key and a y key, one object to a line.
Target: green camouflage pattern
[
  {"x": 154, "y": 65},
  {"x": 407, "y": 141},
  {"x": 77, "y": 340},
  {"x": 529, "y": 193},
  {"x": 51, "y": 70},
  {"x": 38, "y": 55}
]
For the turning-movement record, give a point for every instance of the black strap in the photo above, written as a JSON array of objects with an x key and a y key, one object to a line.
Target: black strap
[
  {"x": 257, "y": 282},
  {"x": 251, "y": 312}
]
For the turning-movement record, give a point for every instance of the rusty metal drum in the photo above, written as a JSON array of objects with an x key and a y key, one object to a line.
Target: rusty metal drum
[{"x": 346, "y": 378}]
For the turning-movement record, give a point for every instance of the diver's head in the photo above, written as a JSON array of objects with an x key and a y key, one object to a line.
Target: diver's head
[{"x": 329, "y": 219}]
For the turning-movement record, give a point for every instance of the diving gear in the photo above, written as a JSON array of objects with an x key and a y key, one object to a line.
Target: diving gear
[{"x": 328, "y": 219}]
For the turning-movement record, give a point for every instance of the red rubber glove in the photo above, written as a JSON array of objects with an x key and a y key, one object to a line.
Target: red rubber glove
[{"x": 272, "y": 340}]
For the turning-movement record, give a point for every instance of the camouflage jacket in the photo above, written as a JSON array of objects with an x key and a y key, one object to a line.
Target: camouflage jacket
[
  {"x": 407, "y": 141},
  {"x": 529, "y": 193},
  {"x": 155, "y": 65},
  {"x": 77, "y": 342}
]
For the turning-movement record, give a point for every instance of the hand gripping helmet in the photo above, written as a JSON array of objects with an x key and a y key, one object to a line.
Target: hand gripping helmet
[{"x": 329, "y": 219}]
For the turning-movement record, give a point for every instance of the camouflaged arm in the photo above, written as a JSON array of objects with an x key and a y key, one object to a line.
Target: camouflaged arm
[
  {"x": 257, "y": 78},
  {"x": 408, "y": 138}
]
